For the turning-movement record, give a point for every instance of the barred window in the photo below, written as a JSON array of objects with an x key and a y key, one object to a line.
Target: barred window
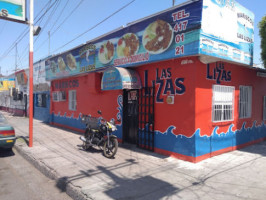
[
  {"x": 222, "y": 103},
  {"x": 264, "y": 108},
  {"x": 245, "y": 100},
  {"x": 72, "y": 103}
]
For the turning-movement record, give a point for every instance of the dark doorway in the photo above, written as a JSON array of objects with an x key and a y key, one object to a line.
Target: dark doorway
[
  {"x": 130, "y": 116},
  {"x": 145, "y": 137}
]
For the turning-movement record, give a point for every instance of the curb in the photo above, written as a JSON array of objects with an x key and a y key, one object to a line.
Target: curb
[{"x": 73, "y": 191}]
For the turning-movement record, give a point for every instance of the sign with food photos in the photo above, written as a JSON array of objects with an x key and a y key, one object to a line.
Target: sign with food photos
[
  {"x": 171, "y": 34},
  {"x": 177, "y": 32}
]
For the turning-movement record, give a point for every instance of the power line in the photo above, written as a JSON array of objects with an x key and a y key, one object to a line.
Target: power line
[
  {"x": 59, "y": 26},
  {"x": 95, "y": 25},
  {"x": 63, "y": 9},
  {"x": 50, "y": 16},
  {"x": 25, "y": 32}
]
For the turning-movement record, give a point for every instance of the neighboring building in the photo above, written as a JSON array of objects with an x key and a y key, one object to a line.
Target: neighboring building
[
  {"x": 41, "y": 93},
  {"x": 7, "y": 85},
  {"x": 180, "y": 80}
]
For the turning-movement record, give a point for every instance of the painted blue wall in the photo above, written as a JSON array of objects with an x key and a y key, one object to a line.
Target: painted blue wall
[{"x": 42, "y": 113}]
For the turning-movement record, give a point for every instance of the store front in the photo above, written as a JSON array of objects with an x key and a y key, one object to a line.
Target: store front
[{"x": 175, "y": 83}]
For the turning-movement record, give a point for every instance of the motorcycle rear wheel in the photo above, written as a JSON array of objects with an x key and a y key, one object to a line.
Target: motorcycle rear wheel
[{"x": 110, "y": 151}]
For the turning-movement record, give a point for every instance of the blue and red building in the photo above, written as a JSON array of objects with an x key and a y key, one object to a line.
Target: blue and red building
[{"x": 181, "y": 85}]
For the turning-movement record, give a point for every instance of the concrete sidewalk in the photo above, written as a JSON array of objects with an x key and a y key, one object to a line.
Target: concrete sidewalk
[{"x": 138, "y": 174}]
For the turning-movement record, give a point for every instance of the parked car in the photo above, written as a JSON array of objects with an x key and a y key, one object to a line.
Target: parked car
[{"x": 7, "y": 134}]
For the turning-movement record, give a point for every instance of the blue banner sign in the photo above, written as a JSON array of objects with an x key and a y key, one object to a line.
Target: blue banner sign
[
  {"x": 117, "y": 78},
  {"x": 14, "y": 10},
  {"x": 185, "y": 30},
  {"x": 227, "y": 31}
]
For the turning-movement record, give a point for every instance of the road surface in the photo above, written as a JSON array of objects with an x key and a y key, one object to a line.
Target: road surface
[{"x": 20, "y": 180}]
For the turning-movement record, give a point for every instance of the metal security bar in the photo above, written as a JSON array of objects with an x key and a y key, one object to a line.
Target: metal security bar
[{"x": 145, "y": 138}]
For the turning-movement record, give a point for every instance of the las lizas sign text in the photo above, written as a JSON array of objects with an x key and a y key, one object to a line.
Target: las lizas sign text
[
  {"x": 167, "y": 85},
  {"x": 218, "y": 73}
]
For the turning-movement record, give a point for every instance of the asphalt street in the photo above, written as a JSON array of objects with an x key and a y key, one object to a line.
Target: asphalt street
[
  {"x": 22, "y": 181},
  {"x": 138, "y": 174}
]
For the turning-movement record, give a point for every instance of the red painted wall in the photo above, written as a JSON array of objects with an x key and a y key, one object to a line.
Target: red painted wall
[
  {"x": 240, "y": 75},
  {"x": 181, "y": 114},
  {"x": 90, "y": 97}
]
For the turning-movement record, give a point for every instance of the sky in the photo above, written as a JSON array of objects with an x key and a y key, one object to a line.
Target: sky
[{"x": 74, "y": 22}]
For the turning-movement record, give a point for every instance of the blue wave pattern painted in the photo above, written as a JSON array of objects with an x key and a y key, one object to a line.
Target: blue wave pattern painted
[
  {"x": 198, "y": 145},
  {"x": 71, "y": 121}
]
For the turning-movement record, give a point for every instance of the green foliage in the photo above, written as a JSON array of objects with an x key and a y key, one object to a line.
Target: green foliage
[{"x": 262, "y": 28}]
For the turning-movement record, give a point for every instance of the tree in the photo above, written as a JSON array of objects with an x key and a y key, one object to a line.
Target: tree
[{"x": 262, "y": 28}]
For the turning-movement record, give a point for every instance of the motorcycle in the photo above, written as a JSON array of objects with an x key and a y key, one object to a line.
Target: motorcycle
[{"x": 100, "y": 135}]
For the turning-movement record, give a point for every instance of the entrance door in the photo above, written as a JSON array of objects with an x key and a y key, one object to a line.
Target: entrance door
[
  {"x": 130, "y": 116},
  {"x": 145, "y": 137}
]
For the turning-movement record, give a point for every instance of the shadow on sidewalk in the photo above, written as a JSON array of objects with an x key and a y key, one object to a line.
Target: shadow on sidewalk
[
  {"x": 146, "y": 187},
  {"x": 258, "y": 148}
]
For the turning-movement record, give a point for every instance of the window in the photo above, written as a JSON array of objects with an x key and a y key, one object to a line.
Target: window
[
  {"x": 72, "y": 104},
  {"x": 62, "y": 95},
  {"x": 59, "y": 96},
  {"x": 55, "y": 96},
  {"x": 264, "y": 108},
  {"x": 245, "y": 97},
  {"x": 41, "y": 100},
  {"x": 222, "y": 103}
]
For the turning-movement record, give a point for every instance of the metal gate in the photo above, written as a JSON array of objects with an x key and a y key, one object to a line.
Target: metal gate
[{"x": 145, "y": 137}]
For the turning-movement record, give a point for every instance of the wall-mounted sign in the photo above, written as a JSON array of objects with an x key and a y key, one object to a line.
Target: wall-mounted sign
[
  {"x": 117, "y": 78},
  {"x": 227, "y": 31},
  {"x": 219, "y": 29},
  {"x": 6, "y": 84},
  {"x": 13, "y": 10},
  {"x": 22, "y": 78}
]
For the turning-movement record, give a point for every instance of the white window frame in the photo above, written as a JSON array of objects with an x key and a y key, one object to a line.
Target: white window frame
[
  {"x": 222, "y": 103},
  {"x": 62, "y": 96},
  {"x": 72, "y": 100},
  {"x": 264, "y": 108},
  {"x": 55, "y": 96},
  {"x": 245, "y": 101}
]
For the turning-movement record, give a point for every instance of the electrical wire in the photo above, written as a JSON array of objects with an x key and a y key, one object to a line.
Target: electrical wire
[
  {"x": 105, "y": 19},
  {"x": 63, "y": 9},
  {"x": 60, "y": 25},
  {"x": 25, "y": 31}
]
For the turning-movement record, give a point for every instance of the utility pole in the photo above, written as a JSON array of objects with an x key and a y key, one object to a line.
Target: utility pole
[
  {"x": 16, "y": 56},
  {"x": 173, "y": 2},
  {"x": 49, "y": 43},
  {"x": 31, "y": 76}
]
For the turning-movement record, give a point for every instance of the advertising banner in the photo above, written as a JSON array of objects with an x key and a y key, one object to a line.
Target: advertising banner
[
  {"x": 117, "y": 78},
  {"x": 22, "y": 78},
  {"x": 5, "y": 84},
  {"x": 171, "y": 34},
  {"x": 220, "y": 29},
  {"x": 39, "y": 77},
  {"x": 227, "y": 31},
  {"x": 13, "y": 10}
]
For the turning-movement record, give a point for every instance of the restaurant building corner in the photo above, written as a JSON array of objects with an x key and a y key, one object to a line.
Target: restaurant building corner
[{"x": 179, "y": 84}]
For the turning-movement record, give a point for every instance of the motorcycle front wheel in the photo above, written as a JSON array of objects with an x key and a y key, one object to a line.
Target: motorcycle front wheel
[{"x": 110, "y": 151}]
